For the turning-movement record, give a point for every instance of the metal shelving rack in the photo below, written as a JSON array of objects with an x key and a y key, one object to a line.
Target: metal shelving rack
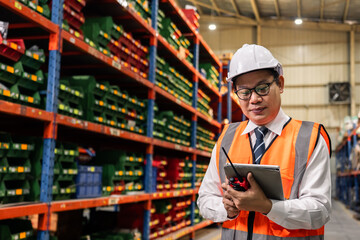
[
  {"x": 347, "y": 179},
  {"x": 54, "y": 124},
  {"x": 231, "y": 106}
]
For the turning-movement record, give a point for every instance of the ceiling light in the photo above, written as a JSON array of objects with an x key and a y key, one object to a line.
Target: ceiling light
[
  {"x": 298, "y": 21},
  {"x": 212, "y": 27}
]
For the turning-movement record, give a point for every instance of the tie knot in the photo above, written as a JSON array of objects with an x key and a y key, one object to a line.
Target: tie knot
[{"x": 260, "y": 132}]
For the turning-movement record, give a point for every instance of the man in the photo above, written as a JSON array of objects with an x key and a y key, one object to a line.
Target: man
[{"x": 301, "y": 149}]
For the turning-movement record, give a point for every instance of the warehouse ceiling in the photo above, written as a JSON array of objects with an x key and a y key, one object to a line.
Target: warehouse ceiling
[{"x": 261, "y": 12}]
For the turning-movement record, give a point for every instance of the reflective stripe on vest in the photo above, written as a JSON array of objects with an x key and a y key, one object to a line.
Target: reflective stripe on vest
[
  {"x": 291, "y": 151},
  {"x": 231, "y": 234},
  {"x": 301, "y": 156},
  {"x": 226, "y": 143}
]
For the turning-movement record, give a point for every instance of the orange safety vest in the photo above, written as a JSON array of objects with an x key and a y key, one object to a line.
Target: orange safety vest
[{"x": 291, "y": 151}]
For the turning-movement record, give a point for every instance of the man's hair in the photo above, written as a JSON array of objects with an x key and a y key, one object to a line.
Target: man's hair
[{"x": 275, "y": 75}]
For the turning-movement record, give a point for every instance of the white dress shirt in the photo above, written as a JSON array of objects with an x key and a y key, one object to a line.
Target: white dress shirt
[{"x": 310, "y": 211}]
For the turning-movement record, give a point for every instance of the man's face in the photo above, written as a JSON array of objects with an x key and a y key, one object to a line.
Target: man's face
[{"x": 260, "y": 109}]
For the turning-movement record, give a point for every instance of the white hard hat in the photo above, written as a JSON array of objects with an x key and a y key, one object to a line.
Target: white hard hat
[{"x": 252, "y": 57}]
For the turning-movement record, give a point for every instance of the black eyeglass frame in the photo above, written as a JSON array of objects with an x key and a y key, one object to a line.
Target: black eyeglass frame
[{"x": 254, "y": 90}]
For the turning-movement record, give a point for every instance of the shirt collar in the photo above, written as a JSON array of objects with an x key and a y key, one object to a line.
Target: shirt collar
[{"x": 275, "y": 125}]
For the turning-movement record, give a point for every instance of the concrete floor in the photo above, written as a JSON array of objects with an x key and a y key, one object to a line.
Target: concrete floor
[{"x": 342, "y": 226}]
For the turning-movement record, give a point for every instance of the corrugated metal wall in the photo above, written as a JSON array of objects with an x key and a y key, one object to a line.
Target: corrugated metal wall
[{"x": 311, "y": 58}]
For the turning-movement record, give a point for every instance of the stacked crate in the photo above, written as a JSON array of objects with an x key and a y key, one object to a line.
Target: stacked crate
[
  {"x": 134, "y": 54},
  {"x": 160, "y": 183},
  {"x": 160, "y": 18},
  {"x": 122, "y": 172},
  {"x": 107, "y": 104},
  {"x": 160, "y": 222},
  {"x": 36, "y": 166},
  {"x": 210, "y": 73},
  {"x": 65, "y": 171},
  {"x": 200, "y": 173},
  {"x": 89, "y": 181},
  {"x": 15, "y": 165},
  {"x": 203, "y": 105},
  {"x": 179, "y": 173},
  {"x": 141, "y": 7},
  {"x": 197, "y": 216},
  {"x": 174, "y": 37},
  {"x": 193, "y": 17},
  {"x": 172, "y": 81},
  {"x": 73, "y": 17},
  {"x": 204, "y": 139},
  {"x": 111, "y": 39},
  {"x": 159, "y": 124},
  {"x": 20, "y": 74},
  {"x": 177, "y": 129},
  {"x": 70, "y": 99},
  {"x": 39, "y": 6},
  {"x": 171, "y": 173},
  {"x": 169, "y": 216},
  {"x": 16, "y": 229},
  {"x": 117, "y": 235}
]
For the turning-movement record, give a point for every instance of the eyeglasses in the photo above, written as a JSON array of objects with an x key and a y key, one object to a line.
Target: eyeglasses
[{"x": 261, "y": 89}]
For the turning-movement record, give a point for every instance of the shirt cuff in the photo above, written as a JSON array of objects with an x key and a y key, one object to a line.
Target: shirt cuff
[
  {"x": 229, "y": 219},
  {"x": 277, "y": 213}
]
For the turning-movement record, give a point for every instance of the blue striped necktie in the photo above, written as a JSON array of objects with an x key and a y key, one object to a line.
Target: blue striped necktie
[{"x": 259, "y": 148}]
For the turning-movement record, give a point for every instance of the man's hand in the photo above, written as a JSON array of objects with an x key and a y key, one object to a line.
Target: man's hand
[
  {"x": 253, "y": 199},
  {"x": 229, "y": 205}
]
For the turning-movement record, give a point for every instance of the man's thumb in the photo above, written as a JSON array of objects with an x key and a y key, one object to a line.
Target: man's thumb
[{"x": 251, "y": 179}]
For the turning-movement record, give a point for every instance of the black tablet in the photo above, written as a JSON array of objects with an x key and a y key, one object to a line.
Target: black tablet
[{"x": 267, "y": 176}]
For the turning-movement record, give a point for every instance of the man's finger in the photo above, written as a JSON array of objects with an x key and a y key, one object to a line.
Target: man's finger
[{"x": 251, "y": 180}]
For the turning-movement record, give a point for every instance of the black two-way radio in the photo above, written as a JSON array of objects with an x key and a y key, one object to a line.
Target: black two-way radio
[{"x": 238, "y": 183}]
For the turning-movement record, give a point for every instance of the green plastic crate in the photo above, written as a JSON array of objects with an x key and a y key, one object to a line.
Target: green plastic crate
[
  {"x": 108, "y": 26},
  {"x": 20, "y": 147},
  {"x": 15, "y": 190},
  {"x": 31, "y": 81},
  {"x": 69, "y": 153},
  {"x": 13, "y": 229},
  {"x": 67, "y": 93},
  {"x": 6, "y": 94},
  {"x": 33, "y": 59},
  {"x": 16, "y": 168},
  {"x": 10, "y": 74},
  {"x": 43, "y": 9},
  {"x": 34, "y": 194},
  {"x": 30, "y": 99},
  {"x": 92, "y": 30}
]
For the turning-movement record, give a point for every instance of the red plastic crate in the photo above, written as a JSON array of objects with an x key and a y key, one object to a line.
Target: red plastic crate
[
  {"x": 115, "y": 47},
  {"x": 77, "y": 5},
  {"x": 192, "y": 16},
  {"x": 75, "y": 19},
  {"x": 12, "y": 48}
]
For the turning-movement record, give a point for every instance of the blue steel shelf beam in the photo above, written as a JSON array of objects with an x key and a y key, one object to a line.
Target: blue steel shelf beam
[
  {"x": 219, "y": 118},
  {"x": 150, "y": 117},
  {"x": 51, "y": 106}
]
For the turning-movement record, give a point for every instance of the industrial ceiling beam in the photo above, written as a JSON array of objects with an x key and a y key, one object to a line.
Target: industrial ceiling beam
[
  {"x": 231, "y": 14},
  {"x": 298, "y": 3},
  {"x": 322, "y": 6},
  {"x": 255, "y": 10},
  {"x": 277, "y": 9},
  {"x": 235, "y": 7},
  {"x": 283, "y": 23},
  {"x": 225, "y": 21},
  {"x": 346, "y": 10},
  {"x": 216, "y": 7}
]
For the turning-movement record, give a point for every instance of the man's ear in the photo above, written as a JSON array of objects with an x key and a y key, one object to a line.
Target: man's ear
[{"x": 281, "y": 83}]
